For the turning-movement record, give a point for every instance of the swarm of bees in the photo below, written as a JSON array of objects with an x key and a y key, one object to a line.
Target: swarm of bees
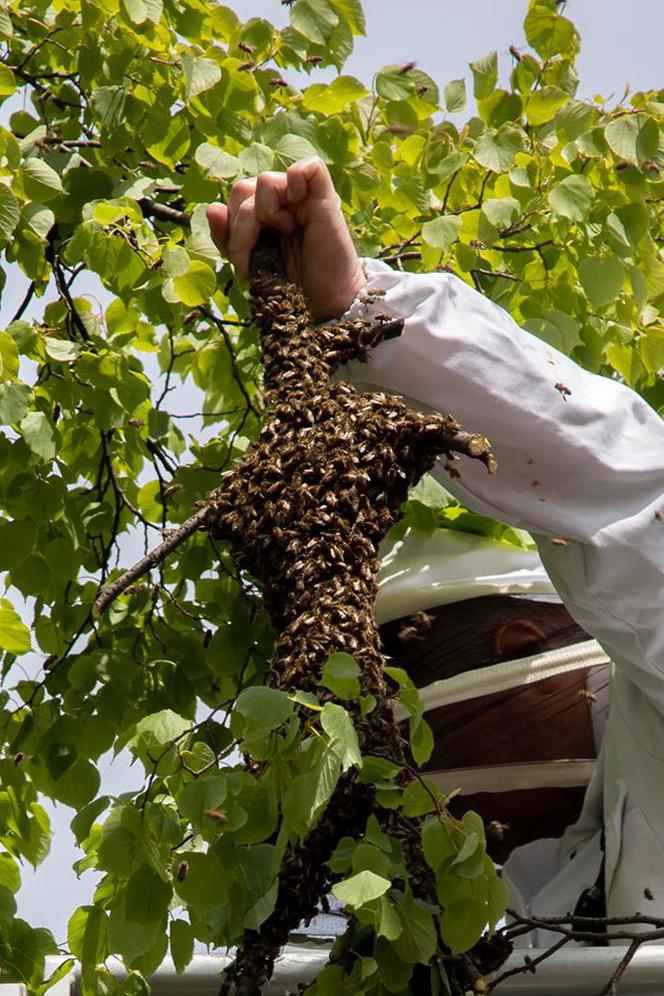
[{"x": 304, "y": 513}]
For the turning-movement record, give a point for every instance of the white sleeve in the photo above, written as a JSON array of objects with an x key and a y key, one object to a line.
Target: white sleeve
[{"x": 584, "y": 465}]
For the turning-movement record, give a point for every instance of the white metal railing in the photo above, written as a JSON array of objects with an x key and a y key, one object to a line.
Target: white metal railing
[{"x": 573, "y": 972}]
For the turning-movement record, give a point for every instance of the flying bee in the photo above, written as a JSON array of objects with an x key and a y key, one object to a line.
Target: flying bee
[
  {"x": 562, "y": 390},
  {"x": 588, "y": 697}
]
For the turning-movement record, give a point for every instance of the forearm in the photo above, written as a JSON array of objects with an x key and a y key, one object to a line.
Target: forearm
[{"x": 584, "y": 467}]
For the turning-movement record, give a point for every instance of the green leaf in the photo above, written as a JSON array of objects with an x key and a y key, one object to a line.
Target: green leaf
[
  {"x": 259, "y": 708},
  {"x": 339, "y": 727},
  {"x": 550, "y": 33},
  {"x": 61, "y": 350},
  {"x": 197, "y": 285},
  {"x": 543, "y": 104},
  {"x": 501, "y": 212},
  {"x": 8, "y": 356},
  {"x": 463, "y": 923},
  {"x": 497, "y": 150},
  {"x": 340, "y": 674},
  {"x": 651, "y": 350},
  {"x": 314, "y": 19},
  {"x": 629, "y": 223},
  {"x": 455, "y": 96},
  {"x": 418, "y": 940},
  {"x": 14, "y": 402},
  {"x": 10, "y": 211},
  {"x": 216, "y": 163},
  {"x": 140, "y": 11},
  {"x": 203, "y": 793},
  {"x": 442, "y": 232},
  {"x": 40, "y": 181},
  {"x": 389, "y": 923},
  {"x": 10, "y": 877},
  {"x": 421, "y": 740},
  {"x": 485, "y": 75},
  {"x": 200, "y": 75},
  {"x": 14, "y": 635},
  {"x": 361, "y": 889},
  {"x": 602, "y": 279},
  {"x": 154, "y": 734},
  {"x": 7, "y": 81},
  {"x": 309, "y": 793},
  {"x": 138, "y": 915},
  {"x": 201, "y": 881},
  {"x": 38, "y": 434},
  {"x": 256, "y": 158},
  {"x": 182, "y": 944},
  {"x": 87, "y": 935},
  {"x": 78, "y": 784},
  {"x": 291, "y": 148},
  {"x": 337, "y": 97},
  {"x": 81, "y": 824},
  {"x": 572, "y": 197},
  {"x": 437, "y": 843},
  {"x": 633, "y": 138},
  {"x": 497, "y": 896},
  {"x": 393, "y": 83}
]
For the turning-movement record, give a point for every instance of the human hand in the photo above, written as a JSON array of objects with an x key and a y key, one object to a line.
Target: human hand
[{"x": 304, "y": 207}]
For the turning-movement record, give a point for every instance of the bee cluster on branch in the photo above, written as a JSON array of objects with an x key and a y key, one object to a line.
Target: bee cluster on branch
[{"x": 304, "y": 513}]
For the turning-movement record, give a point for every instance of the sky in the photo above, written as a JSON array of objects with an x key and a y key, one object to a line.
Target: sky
[{"x": 621, "y": 45}]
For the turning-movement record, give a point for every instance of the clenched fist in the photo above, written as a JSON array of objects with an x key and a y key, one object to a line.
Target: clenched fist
[{"x": 303, "y": 205}]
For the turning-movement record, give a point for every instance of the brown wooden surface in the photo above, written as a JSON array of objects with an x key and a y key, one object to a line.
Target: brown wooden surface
[{"x": 544, "y": 721}]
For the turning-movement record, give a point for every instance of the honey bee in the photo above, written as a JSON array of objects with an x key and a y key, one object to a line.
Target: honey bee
[
  {"x": 497, "y": 829},
  {"x": 562, "y": 390},
  {"x": 588, "y": 697}
]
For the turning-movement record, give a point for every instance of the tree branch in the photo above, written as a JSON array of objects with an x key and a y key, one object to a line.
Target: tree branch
[{"x": 149, "y": 561}]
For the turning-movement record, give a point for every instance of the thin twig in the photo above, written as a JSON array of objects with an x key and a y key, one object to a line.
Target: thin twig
[
  {"x": 152, "y": 209},
  {"x": 231, "y": 352},
  {"x": 25, "y": 302},
  {"x": 611, "y": 987},
  {"x": 149, "y": 561}
]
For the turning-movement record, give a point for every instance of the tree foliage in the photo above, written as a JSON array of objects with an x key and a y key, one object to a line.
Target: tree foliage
[{"x": 137, "y": 116}]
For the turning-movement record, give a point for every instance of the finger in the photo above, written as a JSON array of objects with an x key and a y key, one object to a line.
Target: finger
[
  {"x": 239, "y": 193},
  {"x": 218, "y": 218},
  {"x": 244, "y": 236},
  {"x": 310, "y": 178},
  {"x": 271, "y": 199}
]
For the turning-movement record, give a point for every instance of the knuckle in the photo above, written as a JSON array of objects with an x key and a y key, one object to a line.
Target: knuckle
[{"x": 242, "y": 188}]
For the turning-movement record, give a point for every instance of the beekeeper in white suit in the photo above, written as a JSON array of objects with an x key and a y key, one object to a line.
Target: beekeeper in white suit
[{"x": 596, "y": 450}]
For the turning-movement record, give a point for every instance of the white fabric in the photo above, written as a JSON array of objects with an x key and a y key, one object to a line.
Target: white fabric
[
  {"x": 586, "y": 466},
  {"x": 509, "y": 674},
  {"x": 418, "y": 572},
  {"x": 516, "y": 777}
]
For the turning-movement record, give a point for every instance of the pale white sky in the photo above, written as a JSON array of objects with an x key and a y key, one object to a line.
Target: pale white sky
[{"x": 622, "y": 41}]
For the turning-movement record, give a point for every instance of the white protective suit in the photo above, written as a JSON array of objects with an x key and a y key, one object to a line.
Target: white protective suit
[{"x": 587, "y": 466}]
